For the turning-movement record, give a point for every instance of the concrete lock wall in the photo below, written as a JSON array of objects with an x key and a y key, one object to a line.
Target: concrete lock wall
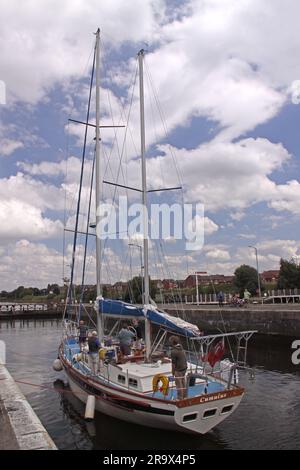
[
  {"x": 20, "y": 428},
  {"x": 272, "y": 322}
]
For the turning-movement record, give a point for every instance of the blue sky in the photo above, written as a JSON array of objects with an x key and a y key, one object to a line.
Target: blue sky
[{"x": 223, "y": 72}]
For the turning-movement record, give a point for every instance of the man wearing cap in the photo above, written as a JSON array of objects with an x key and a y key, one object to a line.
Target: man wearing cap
[
  {"x": 94, "y": 346},
  {"x": 179, "y": 366}
]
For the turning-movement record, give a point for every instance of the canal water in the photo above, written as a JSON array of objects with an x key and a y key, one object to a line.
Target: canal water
[{"x": 267, "y": 418}]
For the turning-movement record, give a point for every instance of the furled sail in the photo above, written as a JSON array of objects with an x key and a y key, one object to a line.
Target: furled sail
[{"x": 117, "y": 308}]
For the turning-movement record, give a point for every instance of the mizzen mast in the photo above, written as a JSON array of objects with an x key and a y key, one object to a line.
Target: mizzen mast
[
  {"x": 146, "y": 298},
  {"x": 98, "y": 183}
]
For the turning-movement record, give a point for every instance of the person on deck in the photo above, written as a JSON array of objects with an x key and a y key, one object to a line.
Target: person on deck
[
  {"x": 94, "y": 346},
  {"x": 83, "y": 329},
  {"x": 125, "y": 337},
  {"x": 179, "y": 366},
  {"x": 220, "y": 298},
  {"x": 137, "y": 329}
]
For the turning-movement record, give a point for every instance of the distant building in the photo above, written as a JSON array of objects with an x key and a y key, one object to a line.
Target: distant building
[
  {"x": 180, "y": 284},
  {"x": 270, "y": 276},
  {"x": 106, "y": 286},
  {"x": 190, "y": 281},
  {"x": 120, "y": 287},
  {"x": 158, "y": 283},
  {"x": 169, "y": 284},
  {"x": 205, "y": 280},
  {"x": 89, "y": 287}
]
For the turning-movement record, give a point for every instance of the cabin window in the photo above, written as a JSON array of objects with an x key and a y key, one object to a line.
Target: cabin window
[
  {"x": 209, "y": 413},
  {"x": 121, "y": 379},
  {"x": 226, "y": 409},
  {"x": 132, "y": 383},
  {"x": 189, "y": 417}
]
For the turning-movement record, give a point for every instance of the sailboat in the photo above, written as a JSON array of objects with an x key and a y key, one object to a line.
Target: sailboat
[{"x": 139, "y": 388}]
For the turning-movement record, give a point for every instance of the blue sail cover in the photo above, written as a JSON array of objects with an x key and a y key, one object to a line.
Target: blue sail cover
[{"x": 117, "y": 308}]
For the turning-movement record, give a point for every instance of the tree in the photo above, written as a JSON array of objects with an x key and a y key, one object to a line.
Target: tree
[
  {"x": 28, "y": 292},
  {"x": 105, "y": 292},
  {"x": 19, "y": 292},
  {"x": 153, "y": 289},
  {"x": 245, "y": 277},
  {"x": 135, "y": 290},
  {"x": 289, "y": 275},
  {"x": 4, "y": 294},
  {"x": 89, "y": 293},
  {"x": 54, "y": 288}
]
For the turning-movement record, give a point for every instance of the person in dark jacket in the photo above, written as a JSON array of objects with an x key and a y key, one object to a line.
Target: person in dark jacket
[
  {"x": 125, "y": 337},
  {"x": 83, "y": 329},
  {"x": 179, "y": 366},
  {"x": 137, "y": 329}
]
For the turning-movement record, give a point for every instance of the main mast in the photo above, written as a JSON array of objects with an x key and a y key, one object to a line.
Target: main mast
[
  {"x": 145, "y": 206},
  {"x": 98, "y": 183}
]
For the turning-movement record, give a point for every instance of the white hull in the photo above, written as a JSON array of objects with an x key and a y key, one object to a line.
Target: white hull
[
  {"x": 184, "y": 416},
  {"x": 136, "y": 417}
]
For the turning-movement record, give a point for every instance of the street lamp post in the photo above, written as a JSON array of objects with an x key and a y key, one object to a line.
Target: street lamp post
[
  {"x": 141, "y": 260},
  {"x": 197, "y": 289},
  {"x": 258, "y": 278}
]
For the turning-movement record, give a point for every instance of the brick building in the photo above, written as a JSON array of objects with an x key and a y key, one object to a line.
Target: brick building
[
  {"x": 205, "y": 280},
  {"x": 270, "y": 276}
]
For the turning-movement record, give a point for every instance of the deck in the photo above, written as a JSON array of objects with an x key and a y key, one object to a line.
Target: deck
[{"x": 147, "y": 372}]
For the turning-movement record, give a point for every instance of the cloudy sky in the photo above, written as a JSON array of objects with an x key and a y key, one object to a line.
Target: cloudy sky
[{"x": 226, "y": 75}]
